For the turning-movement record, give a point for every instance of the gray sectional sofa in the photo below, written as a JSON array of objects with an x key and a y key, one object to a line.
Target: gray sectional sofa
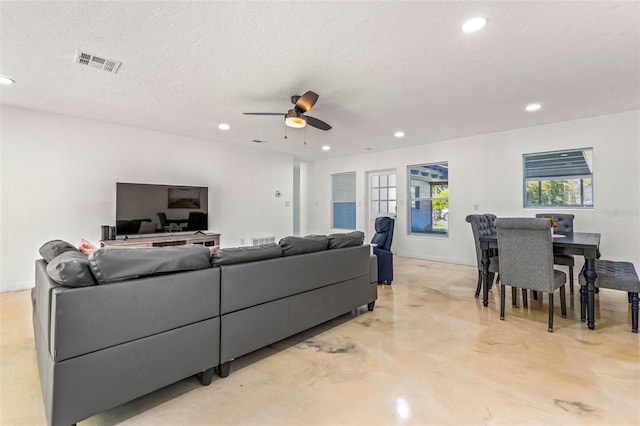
[{"x": 124, "y": 322}]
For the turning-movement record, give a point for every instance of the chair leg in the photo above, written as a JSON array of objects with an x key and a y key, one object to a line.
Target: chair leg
[
  {"x": 629, "y": 296},
  {"x": 571, "y": 279},
  {"x": 479, "y": 287},
  {"x": 550, "y": 329},
  {"x": 492, "y": 276},
  {"x": 535, "y": 294},
  {"x": 634, "y": 312},
  {"x": 514, "y": 296},
  {"x": 502, "y": 297},
  {"x": 563, "y": 302},
  {"x": 525, "y": 300}
]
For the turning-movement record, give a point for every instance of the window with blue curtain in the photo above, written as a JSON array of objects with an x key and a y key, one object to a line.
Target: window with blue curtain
[{"x": 344, "y": 200}]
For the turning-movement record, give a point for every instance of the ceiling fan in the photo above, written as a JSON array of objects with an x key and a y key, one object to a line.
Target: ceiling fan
[{"x": 295, "y": 117}]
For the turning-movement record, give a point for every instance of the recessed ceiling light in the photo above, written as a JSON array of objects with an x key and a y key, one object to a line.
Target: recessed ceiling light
[
  {"x": 474, "y": 24},
  {"x": 223, "y": 126},
  {"x": 326, "y": 148},
  {"x": 6, "y": 81},
  {"x": 399, "y": 134},
  {"x": 533, "y": 107}
]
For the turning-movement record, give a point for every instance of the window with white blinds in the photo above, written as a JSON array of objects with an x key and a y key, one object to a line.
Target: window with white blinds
[{"x": 344, "y": 200}]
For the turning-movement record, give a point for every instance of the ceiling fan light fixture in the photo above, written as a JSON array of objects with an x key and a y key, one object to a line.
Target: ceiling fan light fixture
[
  {"x": 295, "y": 119},
  {"x": 6, "y": 81},
  {"x": 295, "y": 116}
]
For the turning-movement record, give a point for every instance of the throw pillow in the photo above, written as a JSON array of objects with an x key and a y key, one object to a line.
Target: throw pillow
[
  {"x": 54, "y": 248},
  {"x": 71, "y": 269}
]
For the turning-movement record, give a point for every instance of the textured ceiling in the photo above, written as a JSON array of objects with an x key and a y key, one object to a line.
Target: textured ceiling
[{"x": 377, "y": 66}]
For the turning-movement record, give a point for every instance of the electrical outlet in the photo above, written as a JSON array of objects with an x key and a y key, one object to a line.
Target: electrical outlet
[
  {"x": 287, "y": 204},
  {"x": 241, "y": 241},
  {"x": 476, "y": 207}
]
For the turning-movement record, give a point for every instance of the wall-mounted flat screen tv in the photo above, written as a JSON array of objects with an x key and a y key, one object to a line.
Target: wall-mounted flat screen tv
[{"x": 152, "y": 209}]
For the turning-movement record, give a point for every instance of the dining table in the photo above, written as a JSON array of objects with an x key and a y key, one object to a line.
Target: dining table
[{"x": 585, "y": 244}]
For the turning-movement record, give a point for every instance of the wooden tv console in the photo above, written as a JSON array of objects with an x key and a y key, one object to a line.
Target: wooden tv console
[{"x": 162, "y": 241}]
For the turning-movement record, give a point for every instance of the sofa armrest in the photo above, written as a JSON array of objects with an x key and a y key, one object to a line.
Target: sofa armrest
[{"x": 373, "y": 269}]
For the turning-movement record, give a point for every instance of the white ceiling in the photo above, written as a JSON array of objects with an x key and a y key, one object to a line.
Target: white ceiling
[{"x": 377, "y": 66}]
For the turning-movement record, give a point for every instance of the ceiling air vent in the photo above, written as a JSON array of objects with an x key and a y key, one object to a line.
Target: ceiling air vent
[{"x": 94, "y": 61}]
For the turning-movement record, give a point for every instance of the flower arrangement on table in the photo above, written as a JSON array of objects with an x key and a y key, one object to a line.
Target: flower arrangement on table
[{"x": 553, "y": 221}]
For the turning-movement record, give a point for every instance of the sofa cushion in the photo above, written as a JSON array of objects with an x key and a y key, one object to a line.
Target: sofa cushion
[
  {"x": 113, "y": 264},
  {"x": 71, "y": 269},
  {"x": 54, "y": 248},
  {"x": 233, "y": 255},
  {"x": 300, "y": 245},
  {"x": 348, "y": 239}
]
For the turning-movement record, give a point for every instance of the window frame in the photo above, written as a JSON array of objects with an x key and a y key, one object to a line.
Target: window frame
[
  {"x": 581, "y": 180},
  {"x": 413, "y": 200},
  {"x": 383, "y": 197}
]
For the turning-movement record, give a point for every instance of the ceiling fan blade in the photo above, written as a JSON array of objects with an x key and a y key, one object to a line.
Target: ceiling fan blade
[
  {"x": 264, "y": 113},
  {"x": 318, "y": 124},
  {"x": 306, "y": 101}
]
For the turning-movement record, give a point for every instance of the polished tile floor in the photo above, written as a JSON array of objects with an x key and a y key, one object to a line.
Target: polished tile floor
[{"x": 429, "y": 354}]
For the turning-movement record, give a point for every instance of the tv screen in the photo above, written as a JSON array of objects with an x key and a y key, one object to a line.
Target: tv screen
[{"x": 152, "y": 209}]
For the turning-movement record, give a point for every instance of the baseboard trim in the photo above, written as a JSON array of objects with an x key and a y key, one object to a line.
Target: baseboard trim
[
  {"x": 422, "y": 256},
  {"x": 26, "y": 285}
]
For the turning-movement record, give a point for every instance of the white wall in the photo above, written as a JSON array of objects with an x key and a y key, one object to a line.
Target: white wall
[
  {"x": 58, "y": 175},
  {"x": 487, "y": 170},
  {"x": 58, "y": 179}
]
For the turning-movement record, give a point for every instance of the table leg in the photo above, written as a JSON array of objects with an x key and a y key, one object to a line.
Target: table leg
[
  {"x": 590, "y": 276},
  {"x": 583, "y": 303},
  {"x": 485, "y": 277}
]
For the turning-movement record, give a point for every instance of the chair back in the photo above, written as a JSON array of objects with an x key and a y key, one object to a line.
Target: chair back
[
  {"x": 525, "y": 250},
  {"x": 163, "y": 219},
  {"x": 565, "y": 222},
  {"x": 197, "y": 221},
  {"x": 384, "y": 232},
  {"x": 482, "y": 225}
]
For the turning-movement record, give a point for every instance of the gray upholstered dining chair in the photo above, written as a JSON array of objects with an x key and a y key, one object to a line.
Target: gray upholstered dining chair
[
  {"x": 525, "y": 250},
  {"x": 483, "y": 225},
  {"x": 564, "y": 226}
]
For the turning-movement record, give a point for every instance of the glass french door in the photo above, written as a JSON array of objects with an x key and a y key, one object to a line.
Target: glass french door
[{"x": 382, "y": 197}]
